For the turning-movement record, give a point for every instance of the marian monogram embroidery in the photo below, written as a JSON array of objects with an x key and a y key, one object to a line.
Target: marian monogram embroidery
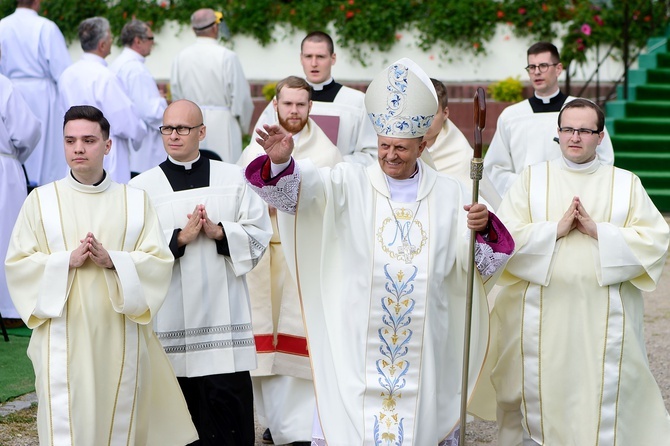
[
  {"x": 395, "y": 335},
  {"x": 401, "y": 236}
]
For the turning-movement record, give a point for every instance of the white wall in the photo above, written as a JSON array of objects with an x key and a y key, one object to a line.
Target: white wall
[{"x": 506, "y": 56}]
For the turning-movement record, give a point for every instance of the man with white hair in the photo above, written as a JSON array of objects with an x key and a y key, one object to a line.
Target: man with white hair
[
  {"x": 35, "y": 55},
  {"x": 90, "y": 82},
  {"x": 380, "y": 256},
  {"x": 138, "y": 40},
  {"x": 211, "y": 75}
]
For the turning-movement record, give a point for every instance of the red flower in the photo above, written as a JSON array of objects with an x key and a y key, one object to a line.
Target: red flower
[
  {"x": 342, "y": 7},
  {"x": 292, "y": 11},
  {"x": 398, "y": 36},
  {"x": 163, "y": 5},
  {"x": 598, "y": 20},
  {"x": 522, "y": 11},
  {"x": 500, "y": 14},
  {"x": 529, "y": 24},
  {"x": 476, "y": 45},
  {"x": 351, "y": 2},
  {"x": 647, "y": 18},
  {"x": 545, "y": 8},
  {"x": 125, "y": 15},
  {"x": 350, "y": 14}
]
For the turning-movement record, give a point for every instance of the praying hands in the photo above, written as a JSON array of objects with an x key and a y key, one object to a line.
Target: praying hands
[
  {"x": 576, "y": 217},
  {"x": 91, "y": 248},
  {"x": 198, "y": 221}
]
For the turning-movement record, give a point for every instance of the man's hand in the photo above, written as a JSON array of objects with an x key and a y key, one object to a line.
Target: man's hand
[
  {"x": 584, "y": 224},
  {"x": 192, "y": 229},
  {"x": 91, "y": 248},
  {"x": 569, "y": 220},
  {"x": 98, "y": 253},
  {"x": 79, "y": 255},
  {"x": 478, "y": 216},
  {"x": 277, "y": 143},
  {"x": 211, "y": 229}
]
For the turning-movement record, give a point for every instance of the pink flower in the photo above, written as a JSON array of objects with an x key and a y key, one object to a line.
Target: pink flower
[
  {"x": 598, "y": 20},
  {"x": 586, "y": 29},
  {"x": 522, "y": 11},
  {"x": 431, "y": 57},
  {"x": 398, "y": 36}
]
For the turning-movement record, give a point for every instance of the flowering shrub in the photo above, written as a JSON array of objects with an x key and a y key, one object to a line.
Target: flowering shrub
[
  {"x": 506, "y": 90},
  {"x": 369, "y": 25}
]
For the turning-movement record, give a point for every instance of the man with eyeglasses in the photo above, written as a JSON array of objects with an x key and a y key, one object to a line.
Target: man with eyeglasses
[
  {"x": 217, "y": 230},
  {"x": 89, "y": 81},
  {"x": 525, "y": 132},
  {"x": 568, "y": 353},
  {"x": 138, "y": 40},
  {"x": 211, "y": 75}
]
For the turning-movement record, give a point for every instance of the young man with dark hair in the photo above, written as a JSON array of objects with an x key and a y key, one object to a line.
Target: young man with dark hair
[{"x": 88, "y": 268}]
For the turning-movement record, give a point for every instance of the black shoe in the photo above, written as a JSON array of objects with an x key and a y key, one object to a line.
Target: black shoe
[
  {"x": 301, "y": 443},
  {"x": 267, "y": 437}
]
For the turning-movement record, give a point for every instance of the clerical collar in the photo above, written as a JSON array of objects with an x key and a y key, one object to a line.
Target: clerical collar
[
  {"x": 326, "y": 91},
  {"x": 580, "y": 167},
  {"x": 94, "y": 58},
  {"x": 98, "y": 187},
  {"x": 319, "y": 87},
  {"x": 553, "y": 103},
  {"x": 187, "y": 165},
  {"x": 405, "y": 191}
]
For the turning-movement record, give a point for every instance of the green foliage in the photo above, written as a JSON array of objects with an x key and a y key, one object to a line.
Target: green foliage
[
  {"x": 506, "y": 90},
  {"x": 269, "y": 90},
  {"x": 369, "y": 25}
]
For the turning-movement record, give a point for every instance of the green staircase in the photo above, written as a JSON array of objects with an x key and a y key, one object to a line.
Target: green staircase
[{"x": 640, "y": 126}]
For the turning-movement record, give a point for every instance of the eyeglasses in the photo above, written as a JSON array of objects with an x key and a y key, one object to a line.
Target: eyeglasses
[
  {"x": 148, "y": 38},
  {"x": 181, "y": 130},
  {"x": 569, "y": 131},
  {"x": 543, "y": 67}
]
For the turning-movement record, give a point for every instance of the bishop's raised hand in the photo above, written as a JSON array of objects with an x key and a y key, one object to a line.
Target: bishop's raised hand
[{"x": 277, "y": 143}]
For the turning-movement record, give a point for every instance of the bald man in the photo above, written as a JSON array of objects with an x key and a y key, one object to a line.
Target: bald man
[
  {"x": 211, "y": 75},
  {"x": 217, "y": 230}
]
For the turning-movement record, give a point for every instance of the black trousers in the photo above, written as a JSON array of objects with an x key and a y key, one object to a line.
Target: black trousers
[{"x": 222, "y": 408}]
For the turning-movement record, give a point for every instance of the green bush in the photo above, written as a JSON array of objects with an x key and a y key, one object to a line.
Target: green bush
[{"x": 506, "y": 90}]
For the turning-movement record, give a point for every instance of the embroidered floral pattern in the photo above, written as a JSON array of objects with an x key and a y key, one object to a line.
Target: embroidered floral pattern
[
  {"x": 488, "y": 261},
  {"x": 394, "y": 121},
  {"x": 394, "y": 336},
  {"x": 284, "y": 195}
]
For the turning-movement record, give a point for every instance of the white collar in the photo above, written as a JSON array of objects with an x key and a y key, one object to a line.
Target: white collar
[
  {"x": 318, "y": 87},
  {"x": 547, "y": 99},
  {"x": 188, "y": 165},
  {"x": 405, "y": 191}
]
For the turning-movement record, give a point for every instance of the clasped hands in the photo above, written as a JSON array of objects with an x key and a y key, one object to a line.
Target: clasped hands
[
  {"x": 198, "y": 222},
  {"x": 576, "y": 217},
  {"x": 90, "y": 248}
]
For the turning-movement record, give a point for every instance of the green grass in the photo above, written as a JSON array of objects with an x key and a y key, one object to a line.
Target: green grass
[{"x": 16, "y": 371}]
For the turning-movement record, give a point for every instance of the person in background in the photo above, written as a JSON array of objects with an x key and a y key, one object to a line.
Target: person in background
[{"x": 138, "y": 40}]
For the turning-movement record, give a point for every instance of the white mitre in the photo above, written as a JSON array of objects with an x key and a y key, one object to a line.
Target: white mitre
[{"x": 401, "y": 101}]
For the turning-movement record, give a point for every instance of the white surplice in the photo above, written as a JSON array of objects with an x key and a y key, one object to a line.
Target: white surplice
[
  {"x": 142, "y": 90},
  {"x": 205, "y": 323},
  {"x": 19, "y": 134},
  {"x": 451, "y": 154},
  {"x": 568, "y": 350},
  {"x": 384, "y": 318},
  {"x": 356, "y": 138},
  {"x": 283, "y": 387},
  {"x": 34, "y": 55},
  {"x": 523, "y": 138},
  {"x": 90, "y": 82},
  {"x": 211, "y": 75},
  {"x": 101, "y": 374}
]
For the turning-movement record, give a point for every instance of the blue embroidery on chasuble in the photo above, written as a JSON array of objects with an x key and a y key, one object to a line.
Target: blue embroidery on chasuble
[{"x": 396, "y": 326}]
